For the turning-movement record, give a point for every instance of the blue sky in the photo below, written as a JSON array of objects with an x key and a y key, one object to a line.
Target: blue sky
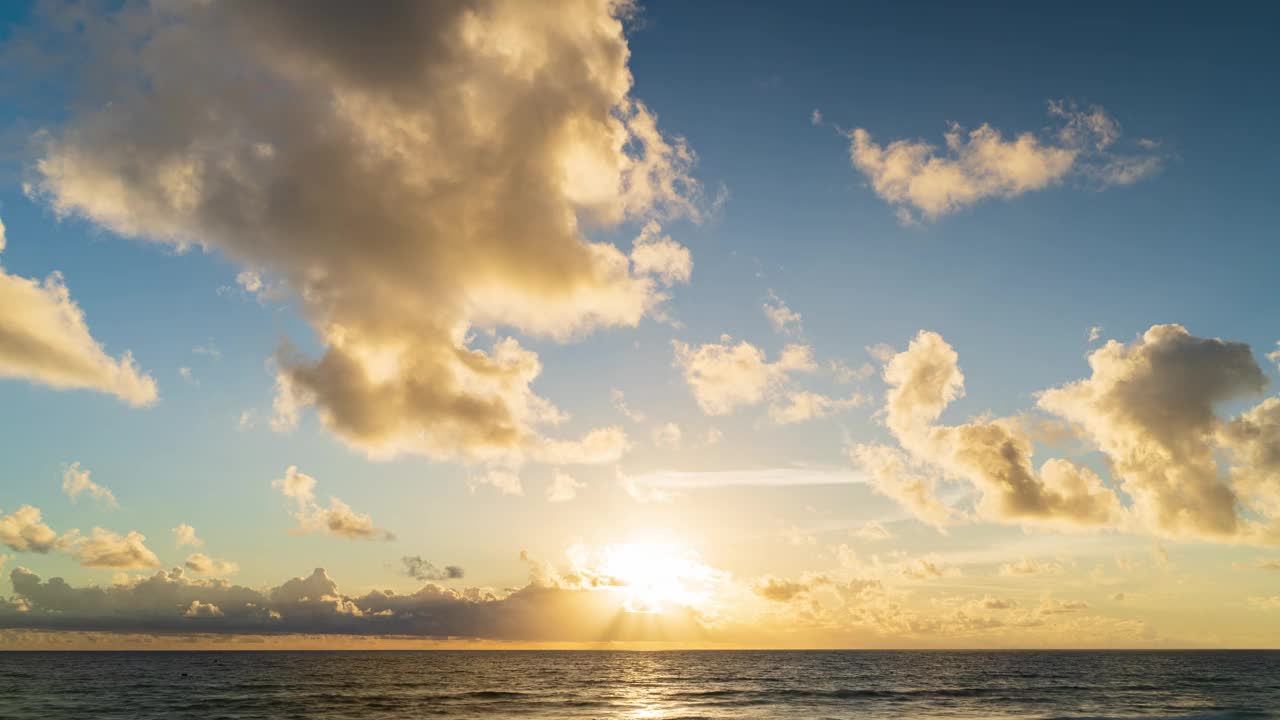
[{"x": 1014, "y": 284}]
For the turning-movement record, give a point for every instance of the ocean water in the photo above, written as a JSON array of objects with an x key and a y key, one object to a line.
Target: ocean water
[{"x": 764, "y": 684}]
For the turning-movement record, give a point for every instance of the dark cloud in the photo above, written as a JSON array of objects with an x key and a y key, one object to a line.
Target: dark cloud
[
  {"x": 174, "y": 603},
  {"x": 419, "y": 569}
]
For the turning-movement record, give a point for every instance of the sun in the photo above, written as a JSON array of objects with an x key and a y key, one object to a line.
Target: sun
[{"x": 654, "y": 577}]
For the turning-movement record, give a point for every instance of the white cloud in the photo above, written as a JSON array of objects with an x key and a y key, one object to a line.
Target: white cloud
[
  {"x": 202, "y": 564},
  {"x": 642, "y": 492},
  {"x": 667, "y": 436},
  {"x": 563, "y": 487},
  {"x": 1150, "y": 407},
  {"x": 844, "y": 374},
  {"x": 620, "y": 402},
  {"x": 724, "y": 376},
  {"x": 602, "y": 445},
  {"x": 782, "y": 318},
  {"x": 890, "y": 473},
  {"x": 76, "y": 482},
  {"x": 337, "y": 519},
  {"x": 883, "y": 352},
  {"x": 184, "y": 535},
  {"x": 815, "y": 118},
  {"x": 106, "y": 549},
  {"x": 44, "y": 339},
  {"x": 656, "y": 254},
  {"x": 23, "y": 530},
  {"x": 928, "y": 568},
  {"x": 801, "y": 405},
  {"x": 872, "y": 531},
  {"x": 506, "y": 481},
  {"x": 1028, "y": 567},
  {"x": 914, "y": 177},
  {"x": 993, "y": 455}
]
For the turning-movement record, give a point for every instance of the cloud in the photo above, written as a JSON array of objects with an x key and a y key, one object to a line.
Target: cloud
[
  {"x": 748, "y": 477},
  {"x": 891, "y": 474},
  {"x": 1058, "y": 607},
  {"x": 655, "y": 254},
  {"x": 778, "y": 589},
  {"x": 801, "y": 405},
  {"x": 44, "y": 339},
  {"x": 526, "y": 113},
  {"x": 76, "y": 482},
  {"x": 667, "y": 436},
  {"x": 883, "y": 352},
  {"x": 993, "y": 455},
  {"x": 1150, "y": 406},
  {"x": 506, "y": 482},
  {"x": 928, "y": 568},
  {"x": 815, "y": 118},
  {"x": 1266, "y": 602},
  {"x": 1029, "y": 567},
  {"x": 184, "y": 534},
  {"x": 174, "y": 603},
  {"x": 783, "y": 319},
  {"x": 724, "y": 377},
  {"x": 563, "y": 487},
  {"x": 599, "y": 446},
  {"x": 1094, "y": 333},
  {"x": 872, "y": 531},
  {"x": 207, "y": 350},
  {"x": 419, "y": 569},
  {"x": 337, "y": 519},
  {"x": 981, "y": 164},
  {"x": 641, "y": 491},
  {"x": 620, "y": 402},
  {"x": 845, "y": 374},
  {"x": 22, "y": 530},
  {"x": 1252, "y": 442},
  {"x": 198, "y": 609},
  {"x": 106, "y": 549},
  {"x": 202, "y": 564}
]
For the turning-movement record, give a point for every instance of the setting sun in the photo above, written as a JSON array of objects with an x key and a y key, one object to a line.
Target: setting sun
[{"x": 655, "y": 576}]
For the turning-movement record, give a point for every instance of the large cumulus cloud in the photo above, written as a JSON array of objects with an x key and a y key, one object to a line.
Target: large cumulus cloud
[
  {"x": 412, "y": 171},
  {"x": 993, "y": 455},
  {"x": 1152, "y": 407}
]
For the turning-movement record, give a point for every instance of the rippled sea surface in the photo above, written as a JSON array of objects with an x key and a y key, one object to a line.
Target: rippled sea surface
[{"x": 641, "y": 685}]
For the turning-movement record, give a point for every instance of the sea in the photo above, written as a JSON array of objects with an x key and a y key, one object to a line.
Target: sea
[{"x": 590, "y": 684}]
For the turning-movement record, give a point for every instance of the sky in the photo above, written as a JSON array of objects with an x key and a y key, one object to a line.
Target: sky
[{"x": 588, "y": 324}]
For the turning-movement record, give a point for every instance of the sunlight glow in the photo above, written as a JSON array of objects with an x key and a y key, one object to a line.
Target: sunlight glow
[{"x": 654, "y": 576}]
